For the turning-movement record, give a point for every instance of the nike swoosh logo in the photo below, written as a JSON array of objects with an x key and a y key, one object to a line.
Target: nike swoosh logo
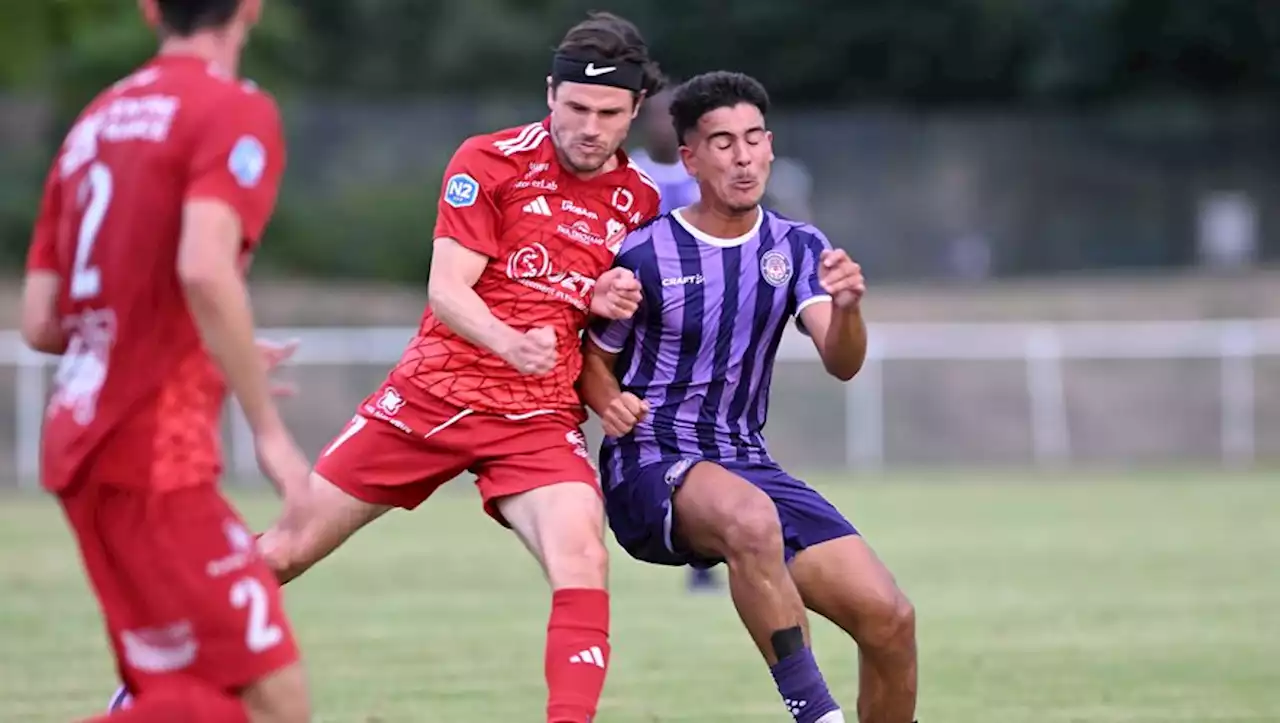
[{"x": 592, "y": 71}]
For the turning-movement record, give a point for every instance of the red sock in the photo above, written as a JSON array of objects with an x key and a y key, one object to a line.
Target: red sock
[
  {"x": 577, "y": 654},
  {"x": 190, "y": 704}
]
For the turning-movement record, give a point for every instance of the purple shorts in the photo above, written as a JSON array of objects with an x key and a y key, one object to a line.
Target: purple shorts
[{"x": 640, "y": 510}]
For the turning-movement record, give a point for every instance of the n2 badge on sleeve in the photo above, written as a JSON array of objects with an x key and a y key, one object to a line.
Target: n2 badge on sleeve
[
  {"x": 461, "y": 190},
  {"x": 248, "y": 161}
]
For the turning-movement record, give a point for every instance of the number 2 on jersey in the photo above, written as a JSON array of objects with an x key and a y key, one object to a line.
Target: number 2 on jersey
[
  {"x": 261, "y": 634},
  {"x": 95, "y": 194}
]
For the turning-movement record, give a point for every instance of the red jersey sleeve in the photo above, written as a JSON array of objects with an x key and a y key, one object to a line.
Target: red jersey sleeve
[
  {"x": 239, "y": 159},
  {"x": 43, "y": 254},
  {"x": 468, "y": 210}
]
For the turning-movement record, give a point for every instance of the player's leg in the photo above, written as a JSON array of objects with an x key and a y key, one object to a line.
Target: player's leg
[
  {"x": 562, "y": 525},
  {"x": 371, "y": 467},
  {"x": 548, "y": 493},
  {"x": 841, "y": 579},
  {"x": 308, "y": 535},
  {"x": 718, "y": 514}
]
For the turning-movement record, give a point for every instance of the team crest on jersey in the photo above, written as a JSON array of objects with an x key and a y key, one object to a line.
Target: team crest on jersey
[
  {"x": 390, "y": 402},
  {"x": 461, "y": 190},
  {"x": 775, "y": 267},
  {"x": 248, "y": 161},
  {"x": 579, "y": 444}
]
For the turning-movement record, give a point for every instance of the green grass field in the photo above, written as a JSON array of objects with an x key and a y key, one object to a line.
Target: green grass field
[{"x": 1143, "y": 599}]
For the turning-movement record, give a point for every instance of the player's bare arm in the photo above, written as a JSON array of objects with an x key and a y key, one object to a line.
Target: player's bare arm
[
  {"x": 209, "y": 268},
  {"x": 41, "y": 328},
  {"x": 837, "y": 327},
  {"x": 617, "y": 294},
  {"x": 619, "y": 411},
  {"x": 455, "y": 270}
]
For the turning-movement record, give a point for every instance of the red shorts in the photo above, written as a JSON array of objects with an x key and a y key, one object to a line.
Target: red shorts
[
  {"x": 181, "y": 585},
  {"x": 401, "y": 447}
]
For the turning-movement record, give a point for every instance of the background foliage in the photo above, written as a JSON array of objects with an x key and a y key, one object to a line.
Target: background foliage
[{"x": 925, "y": 57}]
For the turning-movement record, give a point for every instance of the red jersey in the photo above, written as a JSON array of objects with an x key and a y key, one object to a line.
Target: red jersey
[
  {"x": 137, "y": 400},
  {"x": 548, "y": 235}
]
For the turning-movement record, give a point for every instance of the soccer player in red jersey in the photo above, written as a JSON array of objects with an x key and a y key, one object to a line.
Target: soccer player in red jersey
[
  {"x": 529, "y": 221},
  {"x": 150, "y": 213}
]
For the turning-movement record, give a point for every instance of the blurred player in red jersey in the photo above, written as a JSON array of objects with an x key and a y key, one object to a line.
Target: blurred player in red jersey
[
  {"x": 150, "y": 213},
  {"x": 529, "y": 221}
]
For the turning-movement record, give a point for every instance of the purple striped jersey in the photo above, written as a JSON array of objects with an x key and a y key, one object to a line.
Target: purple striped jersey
[
  {"x": 701, "y": 347},
  {"x": 676, "y": 188}
]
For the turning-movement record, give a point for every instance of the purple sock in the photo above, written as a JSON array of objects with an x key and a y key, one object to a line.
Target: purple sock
[{"x": 803, "y": 690}]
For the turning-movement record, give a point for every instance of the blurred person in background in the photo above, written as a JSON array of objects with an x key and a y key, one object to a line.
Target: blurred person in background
[
  {"x": 790, "y": 189},
  {"x": 660, "y": 154}
]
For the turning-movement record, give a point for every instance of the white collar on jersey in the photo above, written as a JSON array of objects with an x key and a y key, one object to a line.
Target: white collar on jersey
[{"x": 724, "y": 243}]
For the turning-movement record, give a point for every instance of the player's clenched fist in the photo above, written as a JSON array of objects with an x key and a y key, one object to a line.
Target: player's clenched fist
[
  {"x": 533, "y": 352},
  {"x": 617, "y": 294},
  {"x": 841, "y": 277},
  {"x": 623, "y": 414}
]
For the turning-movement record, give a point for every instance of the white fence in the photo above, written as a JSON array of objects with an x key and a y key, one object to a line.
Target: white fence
[{"x": 1041, "y": 349}]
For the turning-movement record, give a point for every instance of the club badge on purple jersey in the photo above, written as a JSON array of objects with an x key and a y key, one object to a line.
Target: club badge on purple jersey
[{"x": 775, "y": 267}]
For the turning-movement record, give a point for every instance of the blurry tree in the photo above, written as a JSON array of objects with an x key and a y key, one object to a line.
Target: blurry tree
[
  {"x": 823, "y": 51},
  {"x": 926, "y": 53}
]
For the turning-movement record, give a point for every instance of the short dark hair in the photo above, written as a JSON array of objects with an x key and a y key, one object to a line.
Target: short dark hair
[
  {"x": 704, "y": 93},
  {"x": 187, "y": 17},
  {"x": 613, "y": 38}
]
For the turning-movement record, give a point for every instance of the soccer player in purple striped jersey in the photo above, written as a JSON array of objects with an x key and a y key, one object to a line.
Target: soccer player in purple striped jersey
[{"x": 682, "y": 390}]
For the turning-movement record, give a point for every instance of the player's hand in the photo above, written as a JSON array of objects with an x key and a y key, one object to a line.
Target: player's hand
[
  {"x": 623, "y": 414},
  {"x": 617, "y": 294},
  {"x": 283, "y": 462},
  {"x": 274, "y": 354},
  {"x": 842, "y": 278},
  {"x": 533, "y": 352}
]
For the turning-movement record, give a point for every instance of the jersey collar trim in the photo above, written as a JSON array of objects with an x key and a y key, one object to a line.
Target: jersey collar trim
[{"x": 724, "y": 243}]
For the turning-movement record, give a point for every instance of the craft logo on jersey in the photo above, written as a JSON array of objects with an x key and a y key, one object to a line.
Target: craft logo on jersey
[
  {"x": 390, "y": 402},
  {"x": 531, "y": 266},
  {"x": 461, "y": 190},
  {"x": 775, "y": 267},
  {"x": 685, "y": 280},
  {"x": 248, "y": 161}
]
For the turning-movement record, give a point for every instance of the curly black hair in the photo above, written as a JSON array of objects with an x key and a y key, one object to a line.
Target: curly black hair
[{"x": 704, "y": 93}]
